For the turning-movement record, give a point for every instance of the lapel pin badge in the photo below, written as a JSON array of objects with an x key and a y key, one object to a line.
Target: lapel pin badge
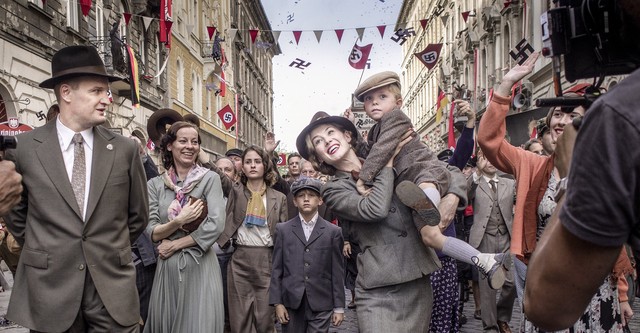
[{"x": 109, "y": 147}]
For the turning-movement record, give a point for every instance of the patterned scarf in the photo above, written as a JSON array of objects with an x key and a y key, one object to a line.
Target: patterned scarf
[
  {"x": 256, "y": 212},
  {"x": 170, "y": 179}
]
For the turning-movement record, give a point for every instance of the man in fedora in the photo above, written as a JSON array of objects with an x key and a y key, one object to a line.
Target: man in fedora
[{"x": 84, "y": 203}]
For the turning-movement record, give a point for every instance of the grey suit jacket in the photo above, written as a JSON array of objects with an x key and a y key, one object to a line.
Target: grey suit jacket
[
  {"x": 315, "y": 266},
  {"x": 482, "y": 197},
  {"x": 58, "y": 246},
  {"x": 392, "y": 252},
  {"x": 237, "y": 210}
]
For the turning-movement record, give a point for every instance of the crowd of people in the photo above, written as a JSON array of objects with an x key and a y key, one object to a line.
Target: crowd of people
[{"x": 105, "y": 240}]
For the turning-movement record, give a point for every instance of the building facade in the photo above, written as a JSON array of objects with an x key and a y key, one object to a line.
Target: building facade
[
  {"x": 253, "y": 71},
  {"x": 474, "y": 57},
  {"x": 195, "y": 72},
  {"x": 34, "y": 30}
]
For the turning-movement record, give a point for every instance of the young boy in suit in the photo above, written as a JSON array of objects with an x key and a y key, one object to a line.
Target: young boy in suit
[
  {"x": 422, "y": 178},
  {"x": 307, "y": 280}
]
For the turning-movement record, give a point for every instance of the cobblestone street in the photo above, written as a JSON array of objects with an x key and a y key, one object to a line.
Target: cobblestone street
[{"x": 350, "y": 324}]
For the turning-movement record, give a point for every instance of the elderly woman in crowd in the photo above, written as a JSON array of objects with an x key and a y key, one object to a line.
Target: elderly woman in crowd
[
  {"x": 537, "y": 181},
  {"x": 253, "y": 209},
  {"x": 392, "y": 287},
  {"x": 187, "y": 289}
]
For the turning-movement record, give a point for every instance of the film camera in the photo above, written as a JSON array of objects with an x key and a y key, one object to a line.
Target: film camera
[
  {"x": 7, "y": 142},
  {"x": 596, "y": 38}
]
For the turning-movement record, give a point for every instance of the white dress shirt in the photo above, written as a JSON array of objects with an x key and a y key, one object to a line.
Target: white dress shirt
[{"x": 307, "y": 227}]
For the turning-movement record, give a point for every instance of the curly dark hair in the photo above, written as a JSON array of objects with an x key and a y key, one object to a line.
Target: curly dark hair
[
  {"x": 357, "y": 143},
  {"x": 528, "y": 144},
  {"x": 270, "y": 177},
  {"x": 171, "y": 136}
]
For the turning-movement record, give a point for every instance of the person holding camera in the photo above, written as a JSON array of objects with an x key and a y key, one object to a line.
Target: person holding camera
[
  {"x": 537, "y": 179},
  {"x": 599, "y": 210}
]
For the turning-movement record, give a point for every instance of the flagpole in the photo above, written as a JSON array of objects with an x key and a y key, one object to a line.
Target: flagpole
[
  {"x": 361, "y": 75},
  {"x": 365, "y": 65}
]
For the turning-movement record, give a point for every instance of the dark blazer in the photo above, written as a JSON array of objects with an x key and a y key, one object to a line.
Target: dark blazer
[
  {"x": 237, "y": 210},
  {"x": 315, "y": 266},
  {"x": 482, "y": 197},
  {"x": 58, "y": 246}
]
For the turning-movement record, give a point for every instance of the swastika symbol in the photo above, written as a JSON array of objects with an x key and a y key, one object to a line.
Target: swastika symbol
[
  {"x": 299, "y": 64},
  {"x": 430, "y": 57},
  {"x": 279, "y": 159},
  {"x": 228, "y": 117},
  {"x": 523, "y": 48},
  {"x": 356, "y": 55}
]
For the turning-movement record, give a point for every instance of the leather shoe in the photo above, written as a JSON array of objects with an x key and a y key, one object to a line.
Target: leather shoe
[
  {"x": 412, "y": 196},
  {"x": 496, "y": 274},
  {"x": 503, "y": 327}
]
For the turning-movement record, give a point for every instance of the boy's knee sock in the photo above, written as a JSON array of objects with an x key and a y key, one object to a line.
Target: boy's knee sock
[
  {"x": 459, "y": 249},
  {"x": 433, "y": 195}
]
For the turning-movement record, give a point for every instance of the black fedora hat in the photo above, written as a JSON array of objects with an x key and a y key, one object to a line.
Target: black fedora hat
[
  {"x": 77, "y": 60},
  {"x": 321, "y": 118},
  {"x": 157, "y": 123}
]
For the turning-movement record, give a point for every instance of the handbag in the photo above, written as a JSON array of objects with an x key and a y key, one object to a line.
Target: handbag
[{"x": 193, "y": 225}]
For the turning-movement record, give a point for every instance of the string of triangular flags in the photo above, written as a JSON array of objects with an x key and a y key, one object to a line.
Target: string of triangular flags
[{"x": 400, "y": 35}]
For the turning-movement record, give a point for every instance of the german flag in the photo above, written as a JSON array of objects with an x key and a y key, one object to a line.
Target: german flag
[
  {"x": 134, "y": 77},
  {"x": 441, "y": 104}
]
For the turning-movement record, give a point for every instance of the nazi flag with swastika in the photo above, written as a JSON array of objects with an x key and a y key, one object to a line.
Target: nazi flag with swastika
[
  {"x": 227, "y": 116},
  {"x": 359, "y": 56},
  {"x": 429, "y": 56}
]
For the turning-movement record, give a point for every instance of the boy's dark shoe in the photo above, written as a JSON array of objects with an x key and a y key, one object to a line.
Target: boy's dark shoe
[{"x": 425, "y": 212}]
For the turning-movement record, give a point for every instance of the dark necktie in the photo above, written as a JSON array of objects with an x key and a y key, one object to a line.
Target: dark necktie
[
  {"x": 79, "y": 171},
  {"x": 493, "y": 185}
]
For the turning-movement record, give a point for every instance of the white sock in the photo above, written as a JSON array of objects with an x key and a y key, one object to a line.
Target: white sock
[{"x": 433, "y": 195}]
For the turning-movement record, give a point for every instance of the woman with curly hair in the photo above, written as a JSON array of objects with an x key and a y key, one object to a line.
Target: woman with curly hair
[
  {"x": 253, "y": 209},
  {"x": 187, "y": 289}
]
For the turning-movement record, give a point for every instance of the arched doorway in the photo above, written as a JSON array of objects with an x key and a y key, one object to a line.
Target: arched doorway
[{"x": 7, "y": 104}]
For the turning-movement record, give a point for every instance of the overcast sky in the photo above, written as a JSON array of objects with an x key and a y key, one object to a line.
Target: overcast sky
[{"x": 327, "y": 83}]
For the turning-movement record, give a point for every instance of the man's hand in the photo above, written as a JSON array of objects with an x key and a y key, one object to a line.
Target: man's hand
[
  {"x": 464, "y": 109},
  {"x": 564, "y": 150},
  {"x": 447, "y": 208},
  {"x": 346, "y": 249},
  {"x": 270, "y": 143},
  {"x": 282, "y": 314},
  {"x": 336, "y": 318},
  {"x": 10, "y": 186}
]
